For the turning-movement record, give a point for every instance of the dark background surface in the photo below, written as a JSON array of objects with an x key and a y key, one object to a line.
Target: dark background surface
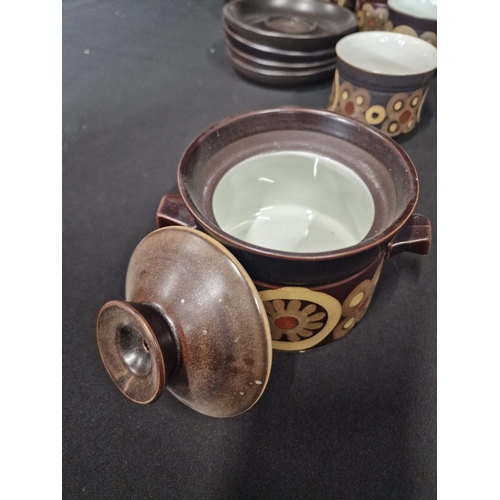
[{"x": 353, "y": 420}]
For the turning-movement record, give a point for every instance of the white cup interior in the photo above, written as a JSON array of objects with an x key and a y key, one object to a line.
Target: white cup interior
[
  {"x": 387, "y": 53},
  {"x": 294, "y": 201},
  {"x": 423, "y": 9}
]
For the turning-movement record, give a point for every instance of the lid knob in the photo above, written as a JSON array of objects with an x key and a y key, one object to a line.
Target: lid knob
[{"x": 137, "y": 349}]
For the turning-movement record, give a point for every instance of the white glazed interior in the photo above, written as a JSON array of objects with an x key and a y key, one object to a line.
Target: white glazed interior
[
  {"x": 294, "y": 201},
  {"x": 387, "y": 53},
  {"x": 423, "y": 9}
]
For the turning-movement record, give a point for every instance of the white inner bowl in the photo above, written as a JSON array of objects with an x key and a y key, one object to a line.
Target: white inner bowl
[
  {"x": 423, "y": 9},
  {"x": 294, "y": 201},
  {"x": 387, "y": 53}
]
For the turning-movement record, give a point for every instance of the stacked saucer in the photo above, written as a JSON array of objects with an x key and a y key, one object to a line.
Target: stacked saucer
[{"x": 285, "y": 42}]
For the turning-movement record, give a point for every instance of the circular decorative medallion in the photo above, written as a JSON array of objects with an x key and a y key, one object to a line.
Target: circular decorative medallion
[
  {"x": 430, "y": 37},
  {"x": 354, "y": 300},
  {"x": 356, "y": 304},
  {"x": 403, "y": 112},
  {"x": 300, "y": 318},
  {"x": 352, "y": 102},
  {"x": 375, "y": 114},
  {"x": 405, "y": 30}
]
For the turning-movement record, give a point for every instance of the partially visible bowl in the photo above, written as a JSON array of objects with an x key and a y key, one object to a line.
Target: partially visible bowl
[{"x": 415, "y": 18}]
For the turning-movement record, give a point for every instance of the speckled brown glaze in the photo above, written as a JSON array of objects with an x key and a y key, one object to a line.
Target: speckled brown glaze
[{"x": 192, "y": 321}]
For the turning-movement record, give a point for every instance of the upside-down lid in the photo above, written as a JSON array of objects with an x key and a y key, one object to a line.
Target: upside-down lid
[{"x": 215, "y": 317}]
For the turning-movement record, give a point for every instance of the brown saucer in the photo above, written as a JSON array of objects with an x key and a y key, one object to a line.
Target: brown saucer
[
  {"x": 281, "y": 78},
  {"x": 291, "y": 25},
  {"x": 278, "y": 65},
  {"x": 268, "y": 52}
]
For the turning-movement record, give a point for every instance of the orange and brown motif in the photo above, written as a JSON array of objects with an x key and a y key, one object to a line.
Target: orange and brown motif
[
  {"x": 347, "y": 100},
  {"x": 301, "y": 318},
  {"x": 294, "y": 319}
]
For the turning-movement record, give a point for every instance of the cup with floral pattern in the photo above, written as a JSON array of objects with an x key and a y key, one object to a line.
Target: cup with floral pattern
[{"x": 382, "y": 79}]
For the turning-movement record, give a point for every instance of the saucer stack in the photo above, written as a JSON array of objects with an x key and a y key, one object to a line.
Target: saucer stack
[{"x": 285, "y": 42}]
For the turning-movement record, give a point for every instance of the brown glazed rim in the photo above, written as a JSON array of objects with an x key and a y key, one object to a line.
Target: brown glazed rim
[
  {"x": 280, "y": 72},
  {"x": 226, "y": 238},
  {"x": 272, "y": 50},
  {"x": 328, "y": 9},
  {"x": 277, "y": 65}
]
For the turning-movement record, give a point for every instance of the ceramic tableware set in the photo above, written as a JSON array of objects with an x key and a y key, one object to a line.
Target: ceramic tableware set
[
  {"x": 280, "y": 43},
  {"x": 277, "y": 238}
]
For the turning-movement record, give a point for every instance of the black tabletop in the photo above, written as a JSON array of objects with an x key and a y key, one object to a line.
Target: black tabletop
[{"x": 352, "y": 420}]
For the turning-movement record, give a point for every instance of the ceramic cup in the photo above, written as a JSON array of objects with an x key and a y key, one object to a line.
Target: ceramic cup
[
  {"x": 311, "y": 204},
  {"x": 382, "y": 79},
  {"x": 418, "y": 19}
]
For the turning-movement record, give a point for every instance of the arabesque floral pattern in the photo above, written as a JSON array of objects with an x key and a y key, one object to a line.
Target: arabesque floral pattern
[
  {"x": 300, "y": 318},
  {"x": 292, "y": 320}
]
